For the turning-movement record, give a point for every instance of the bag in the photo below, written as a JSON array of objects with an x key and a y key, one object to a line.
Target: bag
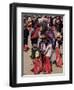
[{"x": 59, "y": 61}]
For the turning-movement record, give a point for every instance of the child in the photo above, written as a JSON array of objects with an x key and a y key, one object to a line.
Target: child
[
  {"x": 37, "y": 63},
  {"x": 33, "y": 50}
]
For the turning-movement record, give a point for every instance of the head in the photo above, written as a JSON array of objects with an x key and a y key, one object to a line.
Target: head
[{"x": 58, "y": 36}]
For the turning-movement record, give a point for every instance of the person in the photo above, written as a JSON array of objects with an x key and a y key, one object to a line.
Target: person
[
  {"x": 34, "y": 50},
  {"x": 59, "y": 39},
  {"x": 37, "y": 64},
  {"x": 26, "y": 34},
  {"x": 51, "y": 37},
  {"x": 47, "y": 67},
  {"x": 59, "y": 24},
  {"x": 50, "y": 22},
  {"x": 35, "y": 35},
  {"x": 59, "y": 61},
  {"x": 42, "y": 46},
  {"x": 34, "y": 20}
]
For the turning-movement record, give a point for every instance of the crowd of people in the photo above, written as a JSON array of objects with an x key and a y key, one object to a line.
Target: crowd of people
[{"x": 46, "y": 36}]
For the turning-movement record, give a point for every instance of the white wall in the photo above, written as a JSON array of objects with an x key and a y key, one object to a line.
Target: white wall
[{"x": 4, "y": 43}]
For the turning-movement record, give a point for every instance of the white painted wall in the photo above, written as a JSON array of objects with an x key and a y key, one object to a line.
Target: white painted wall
[{"x": 4, "y": 43}]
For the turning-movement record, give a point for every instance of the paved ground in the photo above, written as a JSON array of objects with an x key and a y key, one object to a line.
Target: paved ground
[{"x": 28, "y": 65}]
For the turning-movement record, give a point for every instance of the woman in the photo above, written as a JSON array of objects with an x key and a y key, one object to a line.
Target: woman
[
  {"x": 47, "y": 65},
  {"x": 35, "y": 35},
  {"x": 42, "y": 46},
  {"x": 59, "y": 61}
]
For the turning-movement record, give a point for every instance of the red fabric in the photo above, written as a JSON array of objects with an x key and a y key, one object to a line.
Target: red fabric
[
  {"x": 47, "y": 67},
  {"x": 35, "y": 34},
  {"x": 37, "y": 66},
  {"x": 59, "y": 61}
]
